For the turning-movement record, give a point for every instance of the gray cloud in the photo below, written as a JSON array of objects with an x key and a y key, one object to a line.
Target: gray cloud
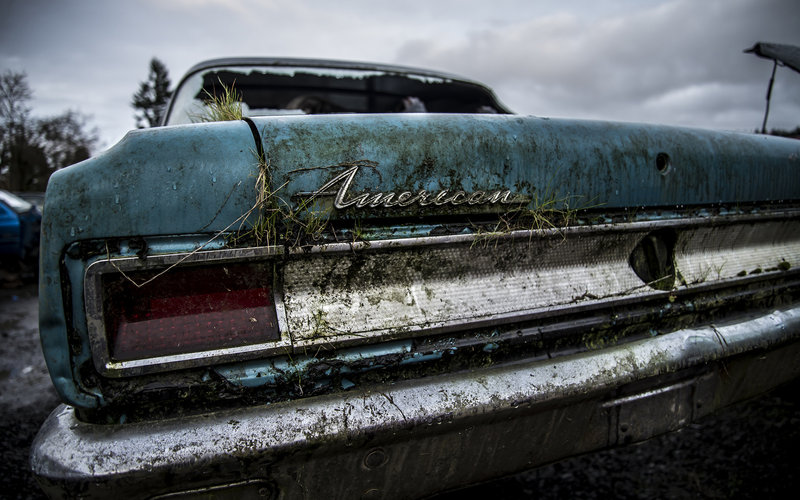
[
  {"x": 671, "y": 61},
  {"x": 677, "y": 61}
]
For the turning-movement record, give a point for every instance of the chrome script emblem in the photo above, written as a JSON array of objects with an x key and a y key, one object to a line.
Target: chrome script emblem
[{"x": 343, "y": 199}]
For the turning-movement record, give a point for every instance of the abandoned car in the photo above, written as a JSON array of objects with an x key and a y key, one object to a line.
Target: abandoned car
[{"x": 376, "y": 282}]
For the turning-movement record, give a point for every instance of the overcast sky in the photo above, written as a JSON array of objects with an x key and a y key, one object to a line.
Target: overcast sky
[{"x": 677, "y": 62}]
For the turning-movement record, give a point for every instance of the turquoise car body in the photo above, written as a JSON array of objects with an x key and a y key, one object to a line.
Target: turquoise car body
[{"x": 711, "y": 215}]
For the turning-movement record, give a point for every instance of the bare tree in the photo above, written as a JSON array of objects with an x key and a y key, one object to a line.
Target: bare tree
[
  {"x": 32, "y": 149},
  {"x": 153, "y": 95},
  {"x": 14, "y": 95},
  {"x": 17, "y": 154},
  {"x": 65, "y": 139}
]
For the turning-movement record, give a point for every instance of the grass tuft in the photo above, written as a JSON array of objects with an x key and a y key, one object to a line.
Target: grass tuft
[{"x": 222, "y": 107}]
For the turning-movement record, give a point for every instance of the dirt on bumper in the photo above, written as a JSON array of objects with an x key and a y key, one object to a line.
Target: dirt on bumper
[{"x": 415, "y": 438}]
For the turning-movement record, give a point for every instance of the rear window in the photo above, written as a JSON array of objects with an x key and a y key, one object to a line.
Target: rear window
[{"x": 279, "y": 90}]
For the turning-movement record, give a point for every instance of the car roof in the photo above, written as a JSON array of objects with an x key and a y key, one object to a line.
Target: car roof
[
  {"x": 322, "y": 63},
  {"x": 14, "y": 202},
  {"x": 333, "y": 65}
]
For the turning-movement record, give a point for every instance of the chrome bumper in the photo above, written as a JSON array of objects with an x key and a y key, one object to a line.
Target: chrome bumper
[{"x": 413, "y": 438}]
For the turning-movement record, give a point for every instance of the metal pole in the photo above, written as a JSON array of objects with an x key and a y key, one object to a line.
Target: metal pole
[{"x": 769, "y": 96}]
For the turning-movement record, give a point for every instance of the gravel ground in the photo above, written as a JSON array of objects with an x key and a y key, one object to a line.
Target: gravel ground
[
  {"x": 750, "y": 450},
  {"x": 27, "y": 396}
]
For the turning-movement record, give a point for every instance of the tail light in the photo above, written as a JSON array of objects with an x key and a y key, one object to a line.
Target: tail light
[
  {"x": 166, "y": 317},
  {"x": 188, "y": 310}
]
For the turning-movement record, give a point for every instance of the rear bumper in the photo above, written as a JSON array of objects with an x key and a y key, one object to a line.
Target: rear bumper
[{"x": 414, "y": 438}]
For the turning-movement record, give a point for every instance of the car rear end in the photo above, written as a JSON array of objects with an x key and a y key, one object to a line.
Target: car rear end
[{"x": 389, "y": 306}]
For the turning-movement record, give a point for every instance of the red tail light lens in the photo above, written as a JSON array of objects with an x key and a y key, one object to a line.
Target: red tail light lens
[{"x": 188, "y": 309}]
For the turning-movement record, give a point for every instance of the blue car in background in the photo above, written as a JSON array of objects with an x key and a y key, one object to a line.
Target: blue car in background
[{"x": 20, "y": 223}]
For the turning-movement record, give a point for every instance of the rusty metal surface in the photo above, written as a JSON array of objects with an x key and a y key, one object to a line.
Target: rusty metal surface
[
  {"x": 200, "y": 180},
  {"x": 457, "y": 297},
  {"x": 581, "y": 163}
]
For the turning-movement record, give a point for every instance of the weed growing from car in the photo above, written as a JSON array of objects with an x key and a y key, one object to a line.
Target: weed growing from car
[
  {"x": 274, "y": 214},
  {"x": 225, "y": 106},
  {"x": 278, "y": 222},
  {"x": 547, "y": 212},
  {"x": 307, "y": 221}
]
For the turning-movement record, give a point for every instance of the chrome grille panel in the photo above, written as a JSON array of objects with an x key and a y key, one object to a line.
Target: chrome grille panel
[{"x": 396, "y": 289}]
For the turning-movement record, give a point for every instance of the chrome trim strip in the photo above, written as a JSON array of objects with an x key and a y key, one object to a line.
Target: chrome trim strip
[
  {"x": 472, "y": 238},
  {"x": 197, "y": 257},
  {"x": 280, "y": 308}
]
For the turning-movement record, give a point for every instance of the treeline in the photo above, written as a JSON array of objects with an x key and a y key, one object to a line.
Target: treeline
[
  {"x": 793, "y": 134},
  {"x": 32, "y": 148}
]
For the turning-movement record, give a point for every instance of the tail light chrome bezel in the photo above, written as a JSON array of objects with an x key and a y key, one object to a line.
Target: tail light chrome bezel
[{"x": 95, "y": 297}]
